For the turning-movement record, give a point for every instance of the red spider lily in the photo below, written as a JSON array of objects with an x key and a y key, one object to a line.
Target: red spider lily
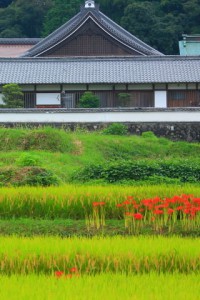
[
  {"x": 170, "y": 211},
  {"x": 136, "y": 205},
  {"x": 127, "y": 202},
  {"x": 138, "y": 216},
  {"x": 120, "y": 205},
  {"x": 161, "y": 206},
  {"x": 187, "y": 211},
  {"x": 156, "y": 200},
  {"x": 180, "y": 208},
  {"x": 158, "y": 212},
  {"x": 73, "y": 270},
  {"x": 196, "y": 200},
  {"x": 129, "y": 214},
  {"x": 146, "y": 202},
  {"x": 98, "y": 203},
  {"x": 68, "y": 276},
  {"x": 59, "y": 274}
]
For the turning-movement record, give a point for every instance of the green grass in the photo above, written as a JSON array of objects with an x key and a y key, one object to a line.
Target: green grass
[
  {"x": 63, "y": 152},
  {"x": 70, "y": 228},
  {"x": 104, "y": 286},
  {"x": 130, "y": 255}
]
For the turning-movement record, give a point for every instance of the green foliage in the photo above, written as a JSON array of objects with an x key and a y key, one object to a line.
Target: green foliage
[
  {"x": 116, "y": 129},
  {"x": 158, "y": 23},
  {"x": 5, "y": 3},
  {"x": 148, "y": 135},
  {"x": 89, "y": 100},
  {"x": 6, "y": 175},
  {"x": 65, "y": 153},
  {"x": 15, "y": 18},
  {"x": 46, "y": 139},
  {"x": 12, "y": 96},
  {"x": 34, "y": 176},
  {"x": 123, "y": 99},
  {"x": 185, "y": 171},
  {"x": 59, "y": 13},
  {"x": 26, "y": 160}
]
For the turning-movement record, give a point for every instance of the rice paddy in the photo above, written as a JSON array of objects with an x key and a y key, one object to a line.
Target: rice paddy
[
  {"x": 152, "y": 286},
  {"x": 128, "y": 266}
]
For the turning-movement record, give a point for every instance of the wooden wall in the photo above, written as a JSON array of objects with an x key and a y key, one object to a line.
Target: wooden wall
[
  {"x": 89, "y": 40},
  {"x": 190, "y": 98}
]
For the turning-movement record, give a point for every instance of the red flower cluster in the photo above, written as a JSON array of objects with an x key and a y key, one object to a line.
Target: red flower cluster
[
  {"x": 185, "y": 204},
  {"x": 60, "y": 274},
  {"x": 98, "y": 204},
  {"x": 136, "y": 216}
]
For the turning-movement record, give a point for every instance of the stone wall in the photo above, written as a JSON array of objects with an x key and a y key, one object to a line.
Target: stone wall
[
  {"x": 175, "y": 131},
  {"x": 169, "y": 123}
]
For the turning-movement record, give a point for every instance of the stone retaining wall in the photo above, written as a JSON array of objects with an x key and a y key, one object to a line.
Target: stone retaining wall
[
  {"x": 167, "y": 126},
  {"x": 175, "y": 131}
]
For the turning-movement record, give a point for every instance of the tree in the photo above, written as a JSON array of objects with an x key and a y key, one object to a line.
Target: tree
[
  {"x": 59, "y": 13},
  {"x": 124, "y": 99},
  {"x": 5, "y": 3},
  {"x": 89, "y": 100},
  {"x": 139, "y": 19},
  {"x": 23, "y": 18},
  {"x": 12, "y": 96}
]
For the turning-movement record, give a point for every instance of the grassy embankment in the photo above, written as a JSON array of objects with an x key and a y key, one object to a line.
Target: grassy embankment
[{"x": 64, "y": 152}]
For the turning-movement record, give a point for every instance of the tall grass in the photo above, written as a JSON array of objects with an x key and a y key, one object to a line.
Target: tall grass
[
  {"x": 73, "y": 201},
  {"x": 90, "y": 256},
  {"x": 104, "y": 286}
]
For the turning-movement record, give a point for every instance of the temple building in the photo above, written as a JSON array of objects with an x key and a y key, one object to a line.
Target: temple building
[{"x": 92, "y": 53}]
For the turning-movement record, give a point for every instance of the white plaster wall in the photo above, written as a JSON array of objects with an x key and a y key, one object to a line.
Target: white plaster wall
[
  {"x": 96, "y": 117},
  {"x": 1, "y": 99},
  {"x": 48, "y": 99},
  {"x": 160, "y": 98}
]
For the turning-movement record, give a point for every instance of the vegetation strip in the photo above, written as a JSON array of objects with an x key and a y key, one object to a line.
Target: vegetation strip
[
  {"x": 74, "y": 201},
  {"x": 136, "y": 255},
  {"x": 104, "y": 286}
]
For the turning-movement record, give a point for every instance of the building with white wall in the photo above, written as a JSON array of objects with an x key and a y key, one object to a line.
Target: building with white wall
[{"x": 92, "y": 53}]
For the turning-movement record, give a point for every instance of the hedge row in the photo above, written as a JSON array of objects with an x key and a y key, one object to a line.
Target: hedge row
[{"x": 186, "y": 171}]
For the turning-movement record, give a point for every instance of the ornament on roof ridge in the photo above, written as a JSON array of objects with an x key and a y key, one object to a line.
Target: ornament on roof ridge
[{"x": 89, "y": 4}]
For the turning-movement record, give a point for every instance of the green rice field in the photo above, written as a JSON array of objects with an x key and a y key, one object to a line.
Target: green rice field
[
  {"x": 132, "y": 255},
  {"x": 111, "y": 266},
  {"x": 151, "y": 286},
  {"x": 70, "y": 201}
]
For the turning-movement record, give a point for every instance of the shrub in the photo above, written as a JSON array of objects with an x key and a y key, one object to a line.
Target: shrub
[
  {"x": 141, "y": 170},
  {"x": 26, "y": 160},
  {"x": 30, "y": 175},
  {"x": 12, "y": 96},
  {"x": 149, "y": 134},
  {"x": 116, "y": 129},
  {"x": 6, "y": 175},
  {"x": 34, "y": 176},
  {"x": 89, "y": 100},
  {"x": 123, "y": 99}
]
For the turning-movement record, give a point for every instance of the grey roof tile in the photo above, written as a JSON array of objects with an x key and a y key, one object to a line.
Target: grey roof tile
[
  {"x": 117, "y": 32},
  {"x": 163, "y": 69},
  {"x": 19, "y": 41}
]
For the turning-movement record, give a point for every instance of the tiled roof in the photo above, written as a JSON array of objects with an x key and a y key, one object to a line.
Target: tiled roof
[
  {"x": 104, "y": 22},
  {"x": 86, "y": 70},
  {"x": 19, "y": 41}
]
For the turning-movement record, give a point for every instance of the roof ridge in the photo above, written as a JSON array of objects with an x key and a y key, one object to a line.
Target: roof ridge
[{"x": 106, "y": 24}]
